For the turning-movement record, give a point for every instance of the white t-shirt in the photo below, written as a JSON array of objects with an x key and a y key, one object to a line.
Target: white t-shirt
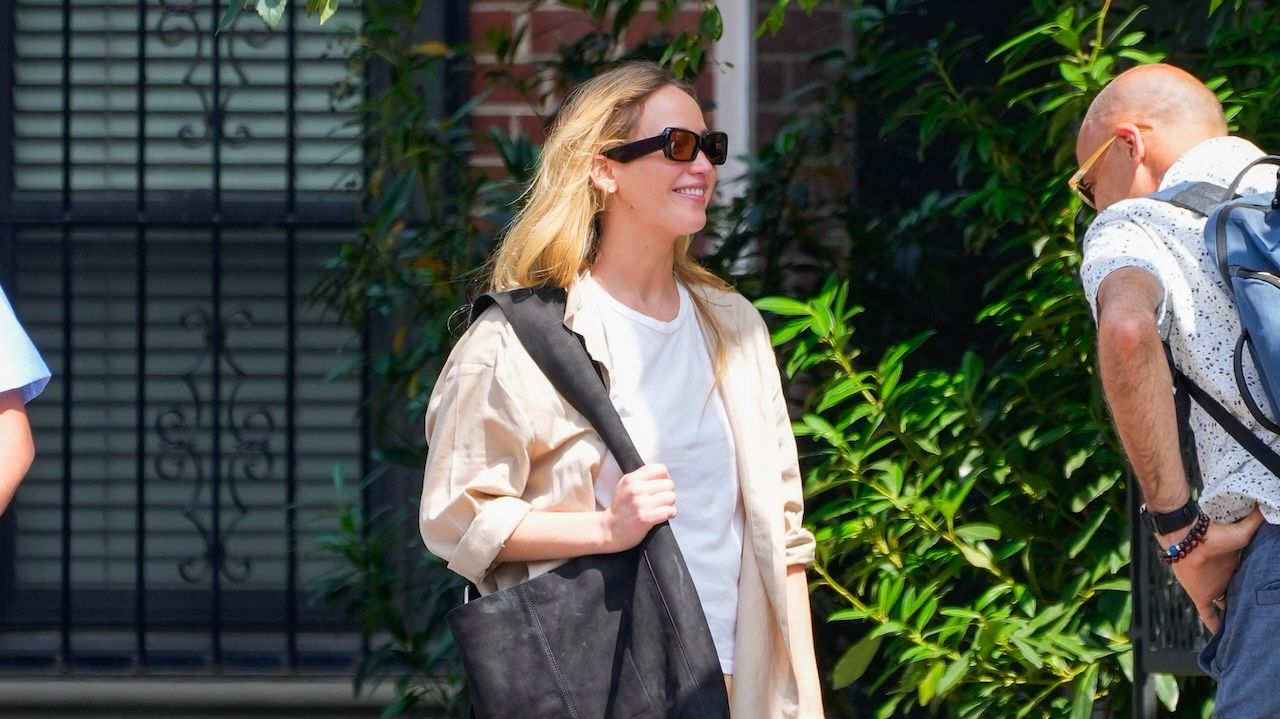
[
  {"x": 663, "y": 384},
  {"x": 1196, "y": 316}
]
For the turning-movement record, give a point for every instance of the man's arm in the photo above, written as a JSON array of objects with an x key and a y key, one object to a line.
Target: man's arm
[
  {"x": 1138, "y": 386},
  {"x": 16, "y": 447}
]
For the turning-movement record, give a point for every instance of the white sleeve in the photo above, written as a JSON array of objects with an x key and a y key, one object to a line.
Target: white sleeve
[
  {"x": 21, "y": 367},
  {"x": 1116, "y": 244}
]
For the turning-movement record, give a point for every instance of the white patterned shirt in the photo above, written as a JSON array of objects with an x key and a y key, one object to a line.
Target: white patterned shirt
[
  {"x": 20, "y": 363},
  {"x": 1196, "y": 316}
]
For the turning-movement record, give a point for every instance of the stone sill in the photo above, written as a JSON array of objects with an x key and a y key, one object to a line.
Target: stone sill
[{"x": 70, "y": 697}]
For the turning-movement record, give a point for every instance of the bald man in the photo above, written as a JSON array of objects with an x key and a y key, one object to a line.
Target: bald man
[{"x": 1150, "y": 280}]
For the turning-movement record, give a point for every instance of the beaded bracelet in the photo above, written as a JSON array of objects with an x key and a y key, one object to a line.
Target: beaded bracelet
[{"x": 1176, "y": 552}]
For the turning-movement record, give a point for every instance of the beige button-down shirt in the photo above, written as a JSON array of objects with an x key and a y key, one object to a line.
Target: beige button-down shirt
[{"x": 504, "y": 443}]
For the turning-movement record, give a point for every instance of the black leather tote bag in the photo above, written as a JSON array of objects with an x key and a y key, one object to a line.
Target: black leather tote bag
[{"x": 610, "y": 636}]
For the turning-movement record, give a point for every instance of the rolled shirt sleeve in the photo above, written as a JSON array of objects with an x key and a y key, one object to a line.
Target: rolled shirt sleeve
[
  {"x": 21, "y": 367},
  {"x": 478, "y": 464},
  {"x": 799, "y": 543},
  {"x": 1116, "y": 244}
]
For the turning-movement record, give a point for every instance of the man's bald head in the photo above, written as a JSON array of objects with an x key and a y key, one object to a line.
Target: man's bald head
[
  {"x": 1159, "y": 96},
  {"x": 1142, "y": 123}
]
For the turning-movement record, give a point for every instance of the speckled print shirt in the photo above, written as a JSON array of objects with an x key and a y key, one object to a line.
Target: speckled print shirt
[{"x": 1196, "y": 316}]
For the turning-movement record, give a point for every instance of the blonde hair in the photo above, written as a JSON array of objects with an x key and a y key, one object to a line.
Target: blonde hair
[{"x": 553, "y": 238}]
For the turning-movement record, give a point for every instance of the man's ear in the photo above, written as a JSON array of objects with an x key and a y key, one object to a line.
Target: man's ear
[
  {"x": 1134, "y": 143},
  {"x": 602, "y": 174},
  {"x": 1141, "y": 158}
]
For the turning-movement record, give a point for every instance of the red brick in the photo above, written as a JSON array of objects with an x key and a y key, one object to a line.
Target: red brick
[
  {"x": 553, "y": 28},
  {"x": 772, "y": 83},
  {"x": 705, "y": 86},
  {"x": 767, "y": 124},
  {"x": 491, "y": 166},
  {"x": 803, "y": 34},
  {"x": 480, "y": 127},
  {"x": 531, "y": 125},
  {"x": 509, "y": 83},
  {"x": 482, "y": 21},
  {"x": 646, "y": 23}
]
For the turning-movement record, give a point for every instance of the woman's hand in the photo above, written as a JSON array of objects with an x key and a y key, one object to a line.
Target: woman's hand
[{"x": 642, "y": 499}]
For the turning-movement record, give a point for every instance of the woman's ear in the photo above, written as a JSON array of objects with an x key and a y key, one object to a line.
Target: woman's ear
[{"x": 602, "y": 175}]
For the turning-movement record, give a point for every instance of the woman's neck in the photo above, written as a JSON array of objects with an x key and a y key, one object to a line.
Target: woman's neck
[{"x": 639, "y": 273}]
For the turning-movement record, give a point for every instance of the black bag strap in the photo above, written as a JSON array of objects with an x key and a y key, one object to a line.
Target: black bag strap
[
  {"x": 1251, "y": 442},
  {"x": 536, "y": 315}
]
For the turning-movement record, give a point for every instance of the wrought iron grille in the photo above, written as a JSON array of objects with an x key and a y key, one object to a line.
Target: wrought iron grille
[
  {"x": 1165, "y": 629},
  {"x": 166, "y": 202}
]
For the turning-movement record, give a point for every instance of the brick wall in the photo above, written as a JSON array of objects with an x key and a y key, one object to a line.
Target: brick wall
[
  {"x": 783, "y": 67},
  {"x": 550, "y": 27}
]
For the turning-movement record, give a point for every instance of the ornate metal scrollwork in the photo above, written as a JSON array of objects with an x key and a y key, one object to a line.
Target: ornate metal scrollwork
[
  {"x": 180, "y": 431},
  {"x": 179, "y": 24}
]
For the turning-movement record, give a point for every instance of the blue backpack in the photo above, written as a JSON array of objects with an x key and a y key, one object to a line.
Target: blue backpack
[{"x": 1242, "y": 235}]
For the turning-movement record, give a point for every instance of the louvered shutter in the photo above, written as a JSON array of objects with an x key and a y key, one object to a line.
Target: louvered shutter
[{"x": 196, "y": 250}]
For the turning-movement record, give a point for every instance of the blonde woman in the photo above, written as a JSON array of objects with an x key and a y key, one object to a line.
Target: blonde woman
[{"x": 517, "y": 482}]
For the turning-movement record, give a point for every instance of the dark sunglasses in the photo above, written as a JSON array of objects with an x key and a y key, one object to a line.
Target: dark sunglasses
[{"x": 677, "y": 144}]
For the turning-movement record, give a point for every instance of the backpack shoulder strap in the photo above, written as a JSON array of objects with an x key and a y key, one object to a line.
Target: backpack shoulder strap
[
  {"x": 1199, "y": 197},
  {"x": 1240, "y": 433},
  {"x": 536, "y": 315}
]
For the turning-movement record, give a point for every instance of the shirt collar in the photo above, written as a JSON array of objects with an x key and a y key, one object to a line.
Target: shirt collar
[
  {"x": 582, "y": 318},
  {"x": 1216, "y": 160}
]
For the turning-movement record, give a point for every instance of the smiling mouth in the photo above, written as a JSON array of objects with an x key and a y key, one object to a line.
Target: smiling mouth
[{"x": 691, "y": 192}]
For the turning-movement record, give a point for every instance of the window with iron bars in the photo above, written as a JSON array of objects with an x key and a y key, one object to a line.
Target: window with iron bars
[{"x": 167, "y": 199}]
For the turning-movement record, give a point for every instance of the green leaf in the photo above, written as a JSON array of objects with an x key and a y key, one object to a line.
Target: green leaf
[
  {"x": 1046, "y": 29},
  {"x": 928, "y": 686},
  {"x": 952, "y": 676},
  {"x": 824, "y": 320},
  {"x": 978, "y": 531},
  {"x": 784, "y": 306},
  {"x": 1093, "y": 490},
  {"x": 788, "y": 331},
  {"x": 710, "y": 24},
  {"x": 1086, "y": 533},
  {"x": 1166, "y": 686},
  {"x": 233, "y": 11},
  {"x": 625, "y": 13},
  {"x": 855, "y": 661},
  {"x": 843, "y": 389},
  {"x": 272, "y": 11},
  {"x": 327, "y": 9},
  {"x": 1113, "y": 585},
  {"x": 1028, "y": 652},
  {"x": 772, "y": 22},
  {"x": 978, "y": 557},
  {"x": 1086, "y": 685}
]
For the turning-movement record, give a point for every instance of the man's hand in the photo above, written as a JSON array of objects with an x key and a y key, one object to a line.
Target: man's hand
[{"x": 1207, "y": 570}]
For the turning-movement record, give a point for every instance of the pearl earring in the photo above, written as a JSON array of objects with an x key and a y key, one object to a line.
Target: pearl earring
[{"x": 613, "y": 189}]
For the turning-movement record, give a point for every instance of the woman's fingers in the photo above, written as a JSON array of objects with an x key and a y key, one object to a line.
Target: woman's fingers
[{"x": 642, "y": 499}]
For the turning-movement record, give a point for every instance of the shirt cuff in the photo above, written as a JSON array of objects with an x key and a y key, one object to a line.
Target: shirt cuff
[
  {"x": 800, "y": 547},
  {"x": 479, "y": 547}
]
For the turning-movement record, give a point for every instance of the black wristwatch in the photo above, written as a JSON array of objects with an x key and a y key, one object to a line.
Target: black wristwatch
[{"x": 1170, "y": 522}]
